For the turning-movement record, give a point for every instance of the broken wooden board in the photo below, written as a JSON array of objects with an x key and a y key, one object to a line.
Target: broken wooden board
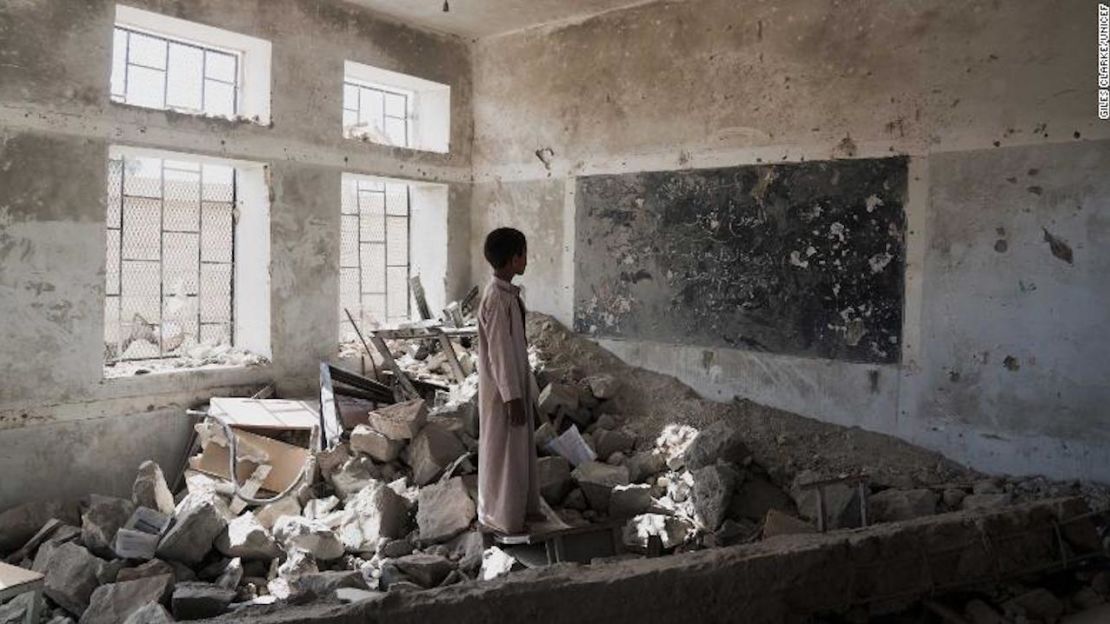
[{"x": 287, "y": 461}]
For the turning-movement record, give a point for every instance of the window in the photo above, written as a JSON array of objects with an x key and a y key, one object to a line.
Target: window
[
  {"x": 168, "y": 63},
  {"x": 374, "y": 258},
  {"x": 395, "y": 109},
  {"x": 176, "y": 256}
]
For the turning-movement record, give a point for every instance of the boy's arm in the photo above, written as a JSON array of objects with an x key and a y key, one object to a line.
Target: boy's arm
[{"x": 498, "y": 326}]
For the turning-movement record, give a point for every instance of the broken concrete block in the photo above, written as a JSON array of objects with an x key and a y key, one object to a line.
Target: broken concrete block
[
  {"x": 232, "y": 574},
  {"x": 721, "y": 441},
  {"x": 318, "y": 508},
  {"x": 756, "y": 496},
  {"x": 374, "y": 513},
  {"x": 779, "y": 523},
  {"x": 626, "y": 501},
  {"x": 608, "y": 442},
  {"x": 495, "y": 563},
  {"x": 1038, "y": 604},
  {"x": 329, "y": 460},
  {"x": 673, "y": 442},
  {"x": 445, "y": 510},
  {"x": 895, "y": 505},
  {"x": 151, "y": 613},
  {"x": 245, "y": 537},
  {"x": 154, "y": 567},
  {"x": 268, "y": 514},
  {"x": 467, "y": 549},
  {"x": 424, "y": 570},
  {"x": 985, "y": 501},
  {"x": 376, "y": 445},
  {"x": 431, "y": 451},
  {"x": 200, "y": 519},
  {"x": 842, "y": 504},
  {"x": 105, "y": 515},
  {"x": 712, "y": 493},
  {"x": 150, "y": 489},
  {"x": 554, "y": 478},
  {"x": 597, "y": 481},
  {"x": 642, "y": 466},
  {"x": 671, "y": 530},
  {"x": 355, "y": 474},
  {"x": 556, "y": 396},
  {"x": 194, "y": 601},
  {"x": 114, "y": 603},
  {"x": 72, "y": 573},
  {"x": 603, "y": 386},
  {"x": 400, "y": 421},
  {"x": 138, "y": 538},
  {"x": 19, "y": 524},
  {"x": 544, "y": 435},
  {"x": 952, "y": 497},
  {"x": 311, "y": 536}
]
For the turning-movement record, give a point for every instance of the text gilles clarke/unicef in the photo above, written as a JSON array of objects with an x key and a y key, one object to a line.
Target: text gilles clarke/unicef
[{"x": 1103, "y": 61}]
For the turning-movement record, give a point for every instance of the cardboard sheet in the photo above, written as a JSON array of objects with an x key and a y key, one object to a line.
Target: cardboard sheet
[{"x": 286, "y": 461}]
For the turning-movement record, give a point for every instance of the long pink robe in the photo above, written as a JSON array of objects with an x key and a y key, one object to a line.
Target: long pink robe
[{"x": 508, "y": 487}]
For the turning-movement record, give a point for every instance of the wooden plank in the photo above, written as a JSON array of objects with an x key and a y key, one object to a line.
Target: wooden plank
[
  {"x": 12, "y": 577},
  {"x": 452, "y": 358}
]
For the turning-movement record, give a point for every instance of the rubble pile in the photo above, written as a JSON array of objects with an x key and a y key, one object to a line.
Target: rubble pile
[{"x": 391, "y": 508}]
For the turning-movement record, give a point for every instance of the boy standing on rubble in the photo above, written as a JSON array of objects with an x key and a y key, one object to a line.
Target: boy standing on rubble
[{"x": 508, "y": 489}]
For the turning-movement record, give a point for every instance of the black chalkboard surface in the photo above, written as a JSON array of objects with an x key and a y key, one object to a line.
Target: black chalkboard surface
[{"x": 802, "y": 258}]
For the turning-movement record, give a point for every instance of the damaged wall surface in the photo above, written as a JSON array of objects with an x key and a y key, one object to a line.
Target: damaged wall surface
[
  {"x": 975, "y": 96},
  {"x": 56, "y": 125}
]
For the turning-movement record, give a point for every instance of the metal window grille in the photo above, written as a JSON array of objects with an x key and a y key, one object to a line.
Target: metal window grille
[
  {"x": 157, "y": 72},
  {"x": 375, "y": 255},
  {"x": 170, "y": 257},
  {"x": 379, "y": 113}
]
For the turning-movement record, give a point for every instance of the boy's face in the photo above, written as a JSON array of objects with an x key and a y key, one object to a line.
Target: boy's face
[{"x": 519, "y": 263}]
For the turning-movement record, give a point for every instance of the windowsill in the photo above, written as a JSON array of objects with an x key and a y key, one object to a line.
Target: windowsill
[
  {"x": 237, "y": 120},
  {"x": 197, "y": 379},
  {"x": 364, "y": 138}
]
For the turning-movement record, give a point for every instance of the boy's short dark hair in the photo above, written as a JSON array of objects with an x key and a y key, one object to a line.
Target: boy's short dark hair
[{"x": 503, "y": 244}]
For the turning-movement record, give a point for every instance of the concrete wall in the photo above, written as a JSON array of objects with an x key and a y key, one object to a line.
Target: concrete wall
[
  {"x": 64, "y": 430},
  {"x": 977, "y": 94}
]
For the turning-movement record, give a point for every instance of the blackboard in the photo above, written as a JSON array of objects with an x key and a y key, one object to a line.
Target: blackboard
[{"x": 801, "y": 258}]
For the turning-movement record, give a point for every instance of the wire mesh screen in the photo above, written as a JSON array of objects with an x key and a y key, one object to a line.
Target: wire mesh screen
[
  {"x": 374, "y": 256},
  {"x": 170, "y": 257},
  {"x": 382, "y": 115},
  {"x": 156, "y": 72}
]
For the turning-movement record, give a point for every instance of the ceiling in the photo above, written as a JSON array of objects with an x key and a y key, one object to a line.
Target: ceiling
[{"x": 482, "y": 18}]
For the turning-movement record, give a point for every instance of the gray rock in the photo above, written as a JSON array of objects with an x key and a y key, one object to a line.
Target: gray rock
[
  {"x": 355, "y": 474},
  {"x": 105, "y": 515},
  {"x": 985, "y": 501},
  {"x": 556, "y": 396},
  {"x": 375, "y": 444},
  {"x": 154, "y": 567},
  {"x": 756, "y": 496},
  {"x": 608, "y": 442},
  {"x": 603, "y": 386},
  {"x": 15, "y": 610},
  {"x": 953, "y": 497},
  {"x": 468, "y": 548},
  {"x": 712, "y": 493},
  {"x": 842, "y": 506},
  {"x": 400, "y": 421},
  {"x": 150, "y": 489},
  {"x": 323, "y": 584},
  {"x": 642, "y": 466},
  {"x": 544, "y": 435},
  {"x": 114, "y": 603},
  {"x": 597, "y": 481},
  {"x": 431, "y": 451},
  {"x": 245, "y": 537},
  {"x": 19, "y": 524},
  {"x": 311, "y": 536},
  {"x": 72, "y": 573},
  {"x": 896, "y": 505},
  {"x": 200, "y": 520},
  {"x": 576, "y": 500},
  {"x": 269, "y": 513},
  {"x": 424, "y": 570},
  {"x": 152, "y": 613},
  {"x": 396, "y": 548},
  {"x": 231, "y": 575},
  {"x": 626, "y": 501},
  {"x": 722, "y": 441},
  {"x": 194, "y": 601},
  {"x": 349, "y": 595},
  {"x": 374, "y": 513},
  {"x": 444, "y": 511},
  {"x": 554, "y": 478}
]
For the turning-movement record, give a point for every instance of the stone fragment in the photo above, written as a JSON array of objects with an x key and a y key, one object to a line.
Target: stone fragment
[
  {"x": 269, "y": 513},
  {"x": 431, "y": 451},
  {"x": 712, "y": 493},
  {"x": 544, "y": 435},
  {"x": 328, "y": 461},
  {"x": 72, "y": 573},
  {"x": 154, "y": 567},
  {"x": 200, "y": 519},
  {"x": 445, "y": 510},
  {"x": 151, "y": 613},
  {"x": 194, "y": 601},
  {"x": 756, "y": 496},
  {"x": 15, "y": 610},
  {"x": 375, "y": 444},
  {"x": 319, "y": 508},
  {"x": 105, "y": 515},
  {"x": 779, "y": 523},
  {"x": 495, "y": 563},
  {"x": 608, "y": 442},
  {"x": 626, "y": 501},
  {"x": 323, "y": 584},
  {"x": 400, "y": 421},
  {"x": 842, "y": 506},
  {"x": 350, "y": 594},
  {"x": 673, "y": 442},
  {"x": 150, "y": 489},
  {"x": 671, "y": 530},
  {"x": 115, "y": 602},
  {"x": 556, "y": 396},
  {"x": 311, "y": 536},
  {"x": 603, "y": 386},
  {"x": 246, "y": 537},
  {"x": 1039, "y": 604},
  {"x": 19, "y": 524},
  {"x": 554, "y": 478},
  {"x": 895, "y": 505},
  {"x": 985, "y": 501},
  {"x": 597, "y": 481},
  {"x": 953, "y": 497},
  {"x": 642, "y": 466},
  {"x": 722, "y": 441},
  {"x": 232, "y": 574},
  {"x": 467, "y": 549},
  {"x": 576, "y": 500},
  {"x": 396, "y": 548},
  {"x": 355, "y": 474},
  {"x": 375, "y": 513},
  {"x": 424, "y": 570}
]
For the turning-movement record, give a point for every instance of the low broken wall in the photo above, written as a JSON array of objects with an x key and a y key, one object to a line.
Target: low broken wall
[{"x": 785, "y": 579}]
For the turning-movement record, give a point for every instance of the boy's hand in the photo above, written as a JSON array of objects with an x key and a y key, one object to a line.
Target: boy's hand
[{"x": 516, "y": 412}]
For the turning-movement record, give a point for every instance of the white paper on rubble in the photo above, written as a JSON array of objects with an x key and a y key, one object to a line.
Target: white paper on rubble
[{"x": 572, "y": 447}]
